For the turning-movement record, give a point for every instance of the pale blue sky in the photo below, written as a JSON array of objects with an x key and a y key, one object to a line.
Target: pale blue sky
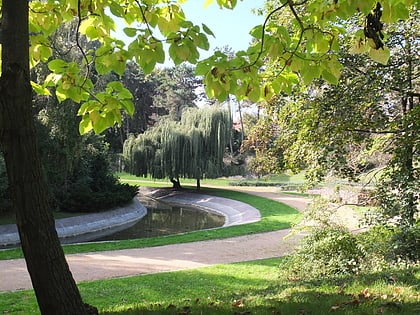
[{"x": 230, "y": 27}]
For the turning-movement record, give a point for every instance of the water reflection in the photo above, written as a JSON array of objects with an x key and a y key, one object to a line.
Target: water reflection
[{"x": 164, "y": 219}]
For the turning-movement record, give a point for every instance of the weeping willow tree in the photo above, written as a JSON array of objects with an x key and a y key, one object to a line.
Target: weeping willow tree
[{"x": 191, "y": 148}]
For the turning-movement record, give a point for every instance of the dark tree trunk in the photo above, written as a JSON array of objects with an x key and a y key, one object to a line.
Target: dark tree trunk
[
  {"x": 176, "y": 184},
  {"x": 54, "y": 286}
]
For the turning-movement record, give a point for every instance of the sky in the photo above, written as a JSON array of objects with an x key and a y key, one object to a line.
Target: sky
[{"x": 230, "y": 27}]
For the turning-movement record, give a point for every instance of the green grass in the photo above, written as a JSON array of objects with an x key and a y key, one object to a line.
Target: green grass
[
  {"x": 275, "y": 216},
  {"x": 144, "y": 181},
  {"x": 243, "y": 288}
]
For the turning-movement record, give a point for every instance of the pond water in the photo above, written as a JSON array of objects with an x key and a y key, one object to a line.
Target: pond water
[{"x": 165, "y": 219}]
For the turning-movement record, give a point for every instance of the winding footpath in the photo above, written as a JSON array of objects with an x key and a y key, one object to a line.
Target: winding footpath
[{"x": 122, "y": 263}]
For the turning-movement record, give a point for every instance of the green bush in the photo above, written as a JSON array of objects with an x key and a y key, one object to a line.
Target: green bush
[
  {"x": 327, "y": 251},
  {"x": 406, "y": 244},
  {"x": 92, "y": 187},
  {"x": 376, "y": 245}
]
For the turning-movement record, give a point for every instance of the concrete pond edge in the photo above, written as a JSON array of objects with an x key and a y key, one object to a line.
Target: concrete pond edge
[{"x": 95, "y": 225}]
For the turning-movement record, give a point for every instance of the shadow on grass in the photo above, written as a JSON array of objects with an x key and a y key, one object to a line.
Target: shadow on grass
[
  {"x": 242, "y": 288},
  {"x": 254, "y": 288}
]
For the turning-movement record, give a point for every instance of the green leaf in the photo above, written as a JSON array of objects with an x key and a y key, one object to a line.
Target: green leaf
[
  {"x": 130, "y": 31},
  {"x": 116, "y": 9},
  {"x": 57, "y": 65},
  {"x": 257, "y": 31},
  {"x": 207, "y": 30},
  {"x": 202, "y": 68},
  {"x": 85, "y": 125},
  {"x": 380, "y": 55},
  {"x": 39, "y": 89},
  {"x": 310, "y": 71},
  {"x": 359, "y": 47}
]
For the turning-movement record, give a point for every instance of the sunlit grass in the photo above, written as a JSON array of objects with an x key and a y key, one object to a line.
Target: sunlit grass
[{"x": 253, "y": 287}]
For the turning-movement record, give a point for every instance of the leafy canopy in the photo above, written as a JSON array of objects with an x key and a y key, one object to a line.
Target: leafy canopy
[{"x": 303, "y": 46}]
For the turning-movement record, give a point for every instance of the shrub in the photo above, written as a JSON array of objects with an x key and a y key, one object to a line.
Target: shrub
[
  {"x": 92, "y": 187},
  {"x": 327, "y": 251},
  {"x": 406, "y": 244},
  {"x": 376, "y": 245}
]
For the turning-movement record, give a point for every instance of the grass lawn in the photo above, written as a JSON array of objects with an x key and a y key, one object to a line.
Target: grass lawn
[
  {"x": 243, "y": 288},
  {"x": 275, "y": 216}
]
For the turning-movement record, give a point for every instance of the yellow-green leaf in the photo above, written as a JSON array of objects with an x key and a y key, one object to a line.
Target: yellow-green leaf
[{"x": 380, "y": 55}]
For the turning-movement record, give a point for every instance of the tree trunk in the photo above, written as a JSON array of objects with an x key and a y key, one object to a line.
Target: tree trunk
[
  {"x": 54, "y": 286},
  {"x": 241, "y": 121},
  {"x": 198, "y": 184},
  {"x": 176, "y": 184}
]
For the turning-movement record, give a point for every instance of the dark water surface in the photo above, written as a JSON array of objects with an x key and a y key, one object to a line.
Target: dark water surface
[{"x": 165, "y": 219}]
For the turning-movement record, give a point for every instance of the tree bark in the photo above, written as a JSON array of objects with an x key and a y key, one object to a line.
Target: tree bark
[
  {"x": 175, "y": 183},
  {"x": 54, "y": 286}
]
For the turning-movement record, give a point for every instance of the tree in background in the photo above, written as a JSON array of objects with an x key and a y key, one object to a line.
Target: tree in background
[
  {"x": 194, "y": 147},
  {"x": 143, "y": 89},
  {"x": 176, "y": 89}
]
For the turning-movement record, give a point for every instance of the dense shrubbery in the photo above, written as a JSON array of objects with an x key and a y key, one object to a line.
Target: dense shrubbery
[
  {"x": 89, "y": 186},
  {"x": 92, "y": 187},
  {"x": 332, "y": 250},
  {"x": 327, "y": 251}
]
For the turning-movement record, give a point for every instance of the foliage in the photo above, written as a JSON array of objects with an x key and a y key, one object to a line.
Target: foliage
[
  {"x": 91, "y": 187},
  {"x": 299, "y": 40},
  {"x": 327, "y": 251},
  {"x": 406, "y": 244},
  {"x": 369, "y": 119},
  {"x": 191, "y": 148},
  {"x": 77, "y": 168},
  {"x": 306, "y": 44},
  {"x": 176, "y": 89},
  {"x": 330, "y": 249}
]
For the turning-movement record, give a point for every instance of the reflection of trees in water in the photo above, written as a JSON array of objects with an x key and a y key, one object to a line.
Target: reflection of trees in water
[{"x": 163, "y": 219}]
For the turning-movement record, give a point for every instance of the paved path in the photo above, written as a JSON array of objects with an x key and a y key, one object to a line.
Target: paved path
[{"x": 102, "y": 265}]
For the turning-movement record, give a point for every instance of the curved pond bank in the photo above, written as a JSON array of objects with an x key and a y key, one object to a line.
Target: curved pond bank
[
  {"x": 235, "y": 212},
  {"x": 85, "y": 227},
  {"x": 91, "y": 226}
]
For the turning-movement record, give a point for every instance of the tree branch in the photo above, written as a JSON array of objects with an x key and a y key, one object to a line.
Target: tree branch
[{"x": 79, "y": 22}]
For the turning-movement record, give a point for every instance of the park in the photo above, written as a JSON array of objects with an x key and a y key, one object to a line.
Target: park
[{"x": 305, "y": 144}]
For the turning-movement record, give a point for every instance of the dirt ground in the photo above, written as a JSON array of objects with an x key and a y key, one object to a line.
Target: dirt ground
[{"x": 122, "y": 263}]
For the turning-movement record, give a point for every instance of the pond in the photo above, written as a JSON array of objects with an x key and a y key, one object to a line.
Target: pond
[{"x": 166, "y": 219}]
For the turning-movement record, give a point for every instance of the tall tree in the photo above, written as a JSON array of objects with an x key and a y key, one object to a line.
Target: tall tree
[
  {"x": 54, "y": 286},
  {"x": 191, "y": 148},
  {"x": 176, "y": 89}
]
